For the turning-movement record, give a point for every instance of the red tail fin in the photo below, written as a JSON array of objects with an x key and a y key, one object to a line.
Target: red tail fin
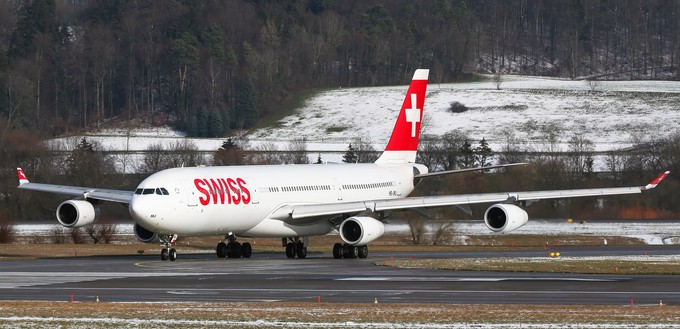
[{"x": 403, "y": 143}]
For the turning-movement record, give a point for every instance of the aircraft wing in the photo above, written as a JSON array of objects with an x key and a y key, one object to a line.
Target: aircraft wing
[
  {"x": 302, "y": 213},
  {"x": 120, "y": 196}
]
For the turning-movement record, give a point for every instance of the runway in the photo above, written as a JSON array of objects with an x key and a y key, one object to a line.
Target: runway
[{"x": 272, "y": 277}]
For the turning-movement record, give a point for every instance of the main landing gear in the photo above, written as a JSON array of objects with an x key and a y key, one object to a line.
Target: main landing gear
[
  {"x": 233, "y": 249},
  {"x": 346, "y": 250},
  {"x": 167, "y": 252},
  {"x": 295, "y": 247}
]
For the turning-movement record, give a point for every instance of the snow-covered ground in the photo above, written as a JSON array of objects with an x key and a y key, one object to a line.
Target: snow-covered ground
[
  {"x": 650, "y": 232},
  {"x": 610, "y": 116},
  {"x": 609, "y": 113}
]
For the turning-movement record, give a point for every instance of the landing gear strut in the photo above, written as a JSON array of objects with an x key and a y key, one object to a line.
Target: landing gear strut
[
  {"x": 348, "y": 251},
  {"x": 295, "y": 247},
  {"x": 167, "y": 252},
  {"x": 233, "y": 249}
]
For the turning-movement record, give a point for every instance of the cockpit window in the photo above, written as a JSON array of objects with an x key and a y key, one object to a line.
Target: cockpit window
[
  {"x": 147, "y": 191},
  {"x": 162, "y": 191}
]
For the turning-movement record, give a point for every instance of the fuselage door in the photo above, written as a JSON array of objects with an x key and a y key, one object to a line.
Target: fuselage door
[
  {"x": 337, "y": 186},
  {"x": 190, "y": 192}
]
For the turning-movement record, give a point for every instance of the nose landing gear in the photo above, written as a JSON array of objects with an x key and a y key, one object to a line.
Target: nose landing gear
[{"x": 167, "y": 252}]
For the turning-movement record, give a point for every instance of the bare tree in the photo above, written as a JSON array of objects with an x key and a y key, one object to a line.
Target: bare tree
[
  {"x": 417, "y": 228},
  {"x": 264, "y": 154},
  {"x": 497, "y": 79},
  {"x": 296, "y": 152},
  {"x": 593, "y": 84},
  {"x": 155, "y": 159},
  {"x": 364, "y": 151},
  {"x": 101, "y": 232},
  {"x": 184, "y": 153}
]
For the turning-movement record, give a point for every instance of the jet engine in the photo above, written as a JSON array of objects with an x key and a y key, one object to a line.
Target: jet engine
[
  {"x": 358, "y": 231},
  {"x": 145, "y": 235},
  {"x": 77, "y": 213},
  {"x": 503, "y": 218}
]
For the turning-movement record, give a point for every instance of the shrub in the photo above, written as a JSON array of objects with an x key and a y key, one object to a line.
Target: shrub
[
  {"x": 457, "y": 107},
  {"x": 76, "y": 235},
  {"x": 101, "y": 233},
  {"x": 58, "y": 235},
  {"x": 7, "y": 233}
]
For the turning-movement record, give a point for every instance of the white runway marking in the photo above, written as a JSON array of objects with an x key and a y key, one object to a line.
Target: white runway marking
[{"x": 31, "y": 279}]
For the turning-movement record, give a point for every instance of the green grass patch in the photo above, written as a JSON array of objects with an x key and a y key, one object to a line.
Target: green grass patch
[{"x": 288, "y": 107}]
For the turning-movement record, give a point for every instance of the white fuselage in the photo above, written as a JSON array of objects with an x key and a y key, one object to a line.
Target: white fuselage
[{"x": 241, "y": 199}]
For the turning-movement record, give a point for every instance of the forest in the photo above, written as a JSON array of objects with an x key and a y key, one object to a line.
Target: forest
[{"x": 212, "y": 67}]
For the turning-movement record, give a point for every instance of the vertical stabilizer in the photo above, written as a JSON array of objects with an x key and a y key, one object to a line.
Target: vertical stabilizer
[{"x": 403, "y": 143}]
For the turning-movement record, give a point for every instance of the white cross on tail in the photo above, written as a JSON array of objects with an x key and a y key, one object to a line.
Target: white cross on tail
[{"x": 413, "y": 115}]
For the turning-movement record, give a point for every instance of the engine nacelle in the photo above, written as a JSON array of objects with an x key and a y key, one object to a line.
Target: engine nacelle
[
  {"x": 77, "y": 213},
  {"x": 145, "y": 235},
  {"x": 502, "y": 218},
  {"x": 358, "y": 231}
]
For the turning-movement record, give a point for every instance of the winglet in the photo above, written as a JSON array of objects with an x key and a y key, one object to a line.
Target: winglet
[
  {"x": 22, "y": 177},
  {"x": 656, "y": 181}
]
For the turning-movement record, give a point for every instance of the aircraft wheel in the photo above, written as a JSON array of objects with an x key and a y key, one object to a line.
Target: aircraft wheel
[
  {"x": 290, "y": 250},
  {"x": 172, "y": 255},
  {"x": 363, "y": 251},
  {"x": 337, "y": 250},
  {"x": 164, "y": 254},
  {"x": 221, "y": 250},
  {"x": 350, "y": 251},
  {"x": 234, "y": 250},
  {"x": 301, "y": 250},
  {"x": 246, "y": 250}
]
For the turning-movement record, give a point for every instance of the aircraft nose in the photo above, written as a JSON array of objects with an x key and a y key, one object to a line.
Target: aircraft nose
[{"x": 138, "y": 210}]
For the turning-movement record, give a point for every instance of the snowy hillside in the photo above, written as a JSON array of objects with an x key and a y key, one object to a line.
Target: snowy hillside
[{"x": 610, "y": 113}]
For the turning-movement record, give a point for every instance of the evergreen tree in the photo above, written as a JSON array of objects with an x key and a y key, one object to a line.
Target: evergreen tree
[
  {"x": 202, "y": 122},
  {"x": 349, "y": 156},
  {"x": 483, "y": 153},
  {"x": 229, "y": 154},
  {"x": 86, "y": 166},
  {"x": 247, "y": 114},
  {"x": 467, "y": 155},
  {"x": 37, "y": 16},
  {"x": 215, "y": 126},
  {"x": 318, "y": 159}
]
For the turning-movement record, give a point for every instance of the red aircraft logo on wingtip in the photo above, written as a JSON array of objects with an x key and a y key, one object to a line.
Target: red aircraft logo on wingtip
[
  {"x": 656, "y": 181},
  {"x": 22, "y": 176}
]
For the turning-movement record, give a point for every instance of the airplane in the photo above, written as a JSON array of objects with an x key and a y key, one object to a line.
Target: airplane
[{"x": 293, "y": 202}]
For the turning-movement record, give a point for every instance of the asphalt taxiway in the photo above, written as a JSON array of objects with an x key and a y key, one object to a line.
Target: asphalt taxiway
[{"x": 272, "y": 277}]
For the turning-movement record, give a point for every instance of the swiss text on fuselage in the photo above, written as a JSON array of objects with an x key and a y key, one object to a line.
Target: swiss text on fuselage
[{"x": 222, "y": 191}]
